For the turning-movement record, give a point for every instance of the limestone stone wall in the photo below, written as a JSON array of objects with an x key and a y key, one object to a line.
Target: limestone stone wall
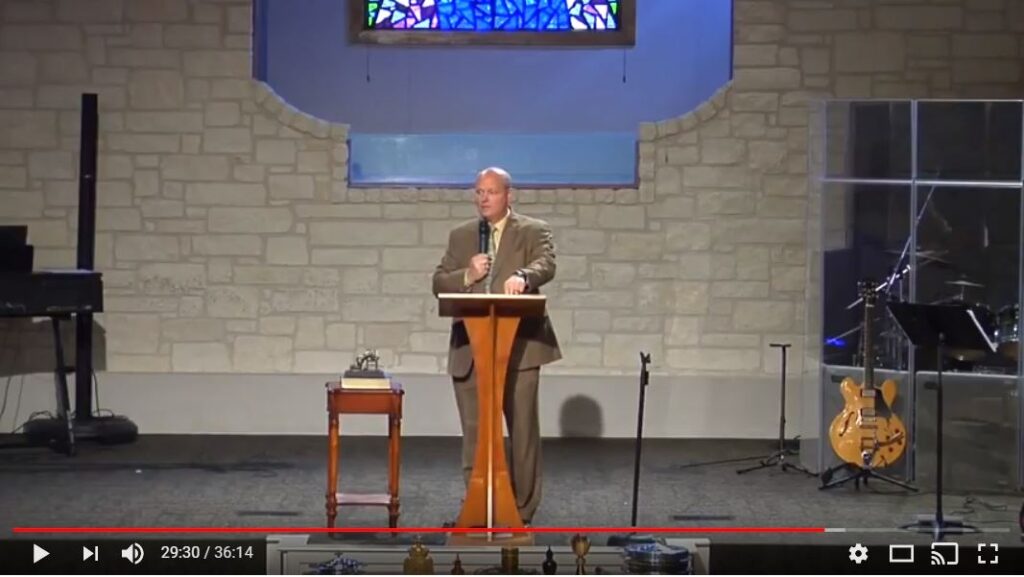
[{"x": 231, "y": 242}]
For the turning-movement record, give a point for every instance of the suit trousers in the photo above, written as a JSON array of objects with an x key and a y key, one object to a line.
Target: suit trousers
[{"x": 523, "y": 424}]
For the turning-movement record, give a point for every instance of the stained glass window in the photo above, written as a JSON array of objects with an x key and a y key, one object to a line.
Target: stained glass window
[{"x": 493, "y": 15}]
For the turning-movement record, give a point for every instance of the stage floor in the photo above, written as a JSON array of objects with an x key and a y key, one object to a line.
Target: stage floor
[{"x": 257, "y": 481}]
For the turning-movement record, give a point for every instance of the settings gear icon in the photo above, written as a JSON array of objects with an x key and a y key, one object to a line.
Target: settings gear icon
[{"x": 858, "y": 553}]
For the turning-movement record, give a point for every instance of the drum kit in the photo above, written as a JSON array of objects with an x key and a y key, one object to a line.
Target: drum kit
[{"x": 1000, "y": 324}]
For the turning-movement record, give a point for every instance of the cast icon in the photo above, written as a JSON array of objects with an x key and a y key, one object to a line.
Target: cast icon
[{"x": 945, "y": 554}]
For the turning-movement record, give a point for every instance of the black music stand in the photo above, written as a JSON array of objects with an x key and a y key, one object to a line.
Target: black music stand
[{"x": 940, "y": 326}]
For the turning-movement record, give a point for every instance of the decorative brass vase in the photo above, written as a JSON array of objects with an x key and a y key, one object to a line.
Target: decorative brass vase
[
  {"x": 418, "y": 562},
  {"x": 580, "y": 546},
  {"x": 510, "y": 560}
]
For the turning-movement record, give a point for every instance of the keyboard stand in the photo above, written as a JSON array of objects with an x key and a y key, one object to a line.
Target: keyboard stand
[
  {"x": 63, "y": 443},
  {"x": 59, "y": 431},
  {"x": 64, "y": 431}
]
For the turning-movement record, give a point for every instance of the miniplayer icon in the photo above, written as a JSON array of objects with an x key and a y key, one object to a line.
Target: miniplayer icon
[{"x": 901, "y": 553}]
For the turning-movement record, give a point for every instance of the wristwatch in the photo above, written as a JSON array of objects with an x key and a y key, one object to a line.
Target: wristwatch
[{"x": 522, "y": 274}]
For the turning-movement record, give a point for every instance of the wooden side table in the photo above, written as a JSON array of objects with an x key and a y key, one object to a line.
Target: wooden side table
[{"x": 357, "y": 401}]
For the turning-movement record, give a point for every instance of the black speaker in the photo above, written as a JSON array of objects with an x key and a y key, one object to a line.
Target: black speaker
[
  {"x": 86, "y": 250},
  {"x": 87, "y": 182}
]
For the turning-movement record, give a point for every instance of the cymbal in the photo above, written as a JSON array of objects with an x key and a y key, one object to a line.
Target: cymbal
[
  {"x": 934, "y": 255},
  {"x": 964, "y": 283},
  {"x": 925, "y": 258}
]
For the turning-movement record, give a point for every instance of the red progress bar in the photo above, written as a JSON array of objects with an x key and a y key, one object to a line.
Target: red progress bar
[{"x": 95, "y": 530}]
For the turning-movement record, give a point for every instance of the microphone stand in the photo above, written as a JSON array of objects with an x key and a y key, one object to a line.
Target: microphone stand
[
  {"x": 906, "y": 245},
  {"x": 779, "y": 456},
  {"x": 897, "y": 272},
  {"x": 630, "y": 538}
]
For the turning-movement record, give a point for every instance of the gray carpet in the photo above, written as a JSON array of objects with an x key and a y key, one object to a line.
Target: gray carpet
[{"x": 250, "y": 481}]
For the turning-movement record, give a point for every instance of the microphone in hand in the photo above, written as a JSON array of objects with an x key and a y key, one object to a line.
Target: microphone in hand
[
  {"x": 479, "y": 266},
  {"x": 485, "y": 236},
  {"x": 481, "y": 263}
]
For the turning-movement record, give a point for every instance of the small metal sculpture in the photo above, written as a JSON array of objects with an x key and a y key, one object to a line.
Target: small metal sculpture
[
  {"x": 365, "y": 360},
  {"x": 367, "y": 366}
]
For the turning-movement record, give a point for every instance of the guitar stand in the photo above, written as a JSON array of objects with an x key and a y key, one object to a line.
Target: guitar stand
[
  {"x": 858, "y": 475},
  {"x": 779, "y": 457}
]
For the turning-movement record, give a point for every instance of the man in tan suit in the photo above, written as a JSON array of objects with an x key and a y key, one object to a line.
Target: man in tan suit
[{"x": 523, "y": 260}]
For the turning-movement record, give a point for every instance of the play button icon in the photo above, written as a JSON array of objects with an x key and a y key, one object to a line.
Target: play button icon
[{"x": 38, "y": 553}]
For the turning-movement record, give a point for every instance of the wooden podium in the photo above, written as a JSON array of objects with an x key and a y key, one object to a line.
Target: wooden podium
[{"x": 491, "y": 322}]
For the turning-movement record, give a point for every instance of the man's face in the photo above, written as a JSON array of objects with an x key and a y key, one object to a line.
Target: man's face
[{"x": 492, "y": 198}]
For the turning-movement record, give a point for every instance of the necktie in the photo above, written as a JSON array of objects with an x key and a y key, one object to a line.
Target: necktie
[{"x": 491, "y": 250}]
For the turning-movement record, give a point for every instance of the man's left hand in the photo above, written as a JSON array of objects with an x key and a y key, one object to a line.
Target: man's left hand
[{"x": 515, "y": 285}]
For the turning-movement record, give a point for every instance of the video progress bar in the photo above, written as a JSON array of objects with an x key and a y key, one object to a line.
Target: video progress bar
[{"x": 948, "y": 531}]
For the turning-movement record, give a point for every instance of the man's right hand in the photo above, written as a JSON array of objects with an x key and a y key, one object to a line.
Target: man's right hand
[{"x": 478, "y": 267}]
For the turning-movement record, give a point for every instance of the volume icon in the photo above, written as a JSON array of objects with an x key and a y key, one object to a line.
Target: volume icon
[{"x": 133, "y": 553}]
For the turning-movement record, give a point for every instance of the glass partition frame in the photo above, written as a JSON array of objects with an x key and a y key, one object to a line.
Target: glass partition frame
[{"x": 815, "y": 446}]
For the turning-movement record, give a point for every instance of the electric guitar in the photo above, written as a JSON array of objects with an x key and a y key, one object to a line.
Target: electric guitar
[{"x": 867, "y": 433}]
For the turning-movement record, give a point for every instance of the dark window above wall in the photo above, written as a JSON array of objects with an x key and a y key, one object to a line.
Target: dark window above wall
[{"x": 969, "y": 140}]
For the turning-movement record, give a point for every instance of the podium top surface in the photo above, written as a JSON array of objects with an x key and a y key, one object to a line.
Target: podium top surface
[{"x": 480, "y": 304}]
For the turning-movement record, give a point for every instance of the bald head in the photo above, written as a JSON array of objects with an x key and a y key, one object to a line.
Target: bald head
[
  {"x": 497, "y": 172},
  {"x": 493, "y": 196}
]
